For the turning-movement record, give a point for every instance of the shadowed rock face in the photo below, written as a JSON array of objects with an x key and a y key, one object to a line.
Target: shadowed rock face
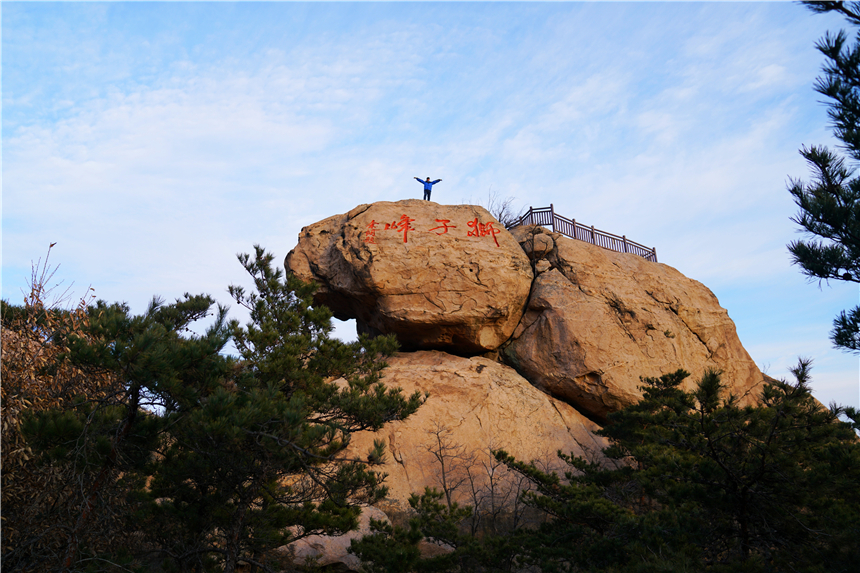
[
  {"x": 437, "y": 276},
  {"x": 598, "y": 320}
]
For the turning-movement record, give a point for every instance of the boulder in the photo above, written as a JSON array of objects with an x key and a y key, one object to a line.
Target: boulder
[
  {"x": 598, "y": 320},
  {"x": 474, "y": 404},
  {"x": 444, "y": 277}
]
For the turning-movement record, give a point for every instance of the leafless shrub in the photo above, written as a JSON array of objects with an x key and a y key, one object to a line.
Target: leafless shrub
[
  {"x": 474, "y": 477},
  {"x": 41, "y": 501},
  {"x": 452, "y": 459},
  {"x": 501, "y": 208}
]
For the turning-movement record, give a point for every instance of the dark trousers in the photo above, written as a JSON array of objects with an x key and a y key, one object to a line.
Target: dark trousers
[{"x": 427, "y": 194}]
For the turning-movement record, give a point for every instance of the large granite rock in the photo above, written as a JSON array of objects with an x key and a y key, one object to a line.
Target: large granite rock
[
  {"x": 474, "y": 404},
  {"x": 438, "y": 276},
  {"x": 578, "y": 324},
  {"x": 598, "y": 320}
]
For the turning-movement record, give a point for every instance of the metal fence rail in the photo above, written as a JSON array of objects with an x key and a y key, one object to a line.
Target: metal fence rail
[{"x": 547, "y": 217}]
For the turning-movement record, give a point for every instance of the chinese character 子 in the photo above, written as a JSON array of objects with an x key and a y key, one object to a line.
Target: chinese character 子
[
  {"x": 401, "y": 226},
  {"x": 370, "y": 232},
  {"x": 444, "y": 226},
  {"x": 483, "y": 229}
]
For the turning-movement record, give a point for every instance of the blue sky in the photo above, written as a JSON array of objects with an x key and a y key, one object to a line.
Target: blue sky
[{"x": 154, "y": 141}]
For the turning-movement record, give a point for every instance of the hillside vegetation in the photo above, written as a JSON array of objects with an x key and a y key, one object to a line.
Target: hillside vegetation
[{"x": 131, "y": 444}]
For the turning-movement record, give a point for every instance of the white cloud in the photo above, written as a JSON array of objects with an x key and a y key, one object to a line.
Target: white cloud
[{"x": 674, "y": 125}]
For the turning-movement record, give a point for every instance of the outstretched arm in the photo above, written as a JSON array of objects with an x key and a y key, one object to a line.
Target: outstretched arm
[
  {"x": 418, "y": 180},
  {"x": 437, "y": 181}
]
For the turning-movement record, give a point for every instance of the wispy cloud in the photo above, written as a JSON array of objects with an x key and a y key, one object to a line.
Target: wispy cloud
[{"x": 155, "y": 141}]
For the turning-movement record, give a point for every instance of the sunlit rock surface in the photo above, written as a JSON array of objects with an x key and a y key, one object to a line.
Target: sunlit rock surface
[{"x": 446, "y": 277}]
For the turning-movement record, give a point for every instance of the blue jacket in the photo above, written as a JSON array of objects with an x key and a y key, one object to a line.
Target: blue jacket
[{"x": 428, "y": 185}]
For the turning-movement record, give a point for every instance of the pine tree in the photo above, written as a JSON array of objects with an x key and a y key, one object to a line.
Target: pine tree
[
  {"x": 222, "y": 459},
  {"x": 830, "y": 204},
  {"x": 111, "y": 441},
  {"x": 702, "y": 483},
  {"x": 765, "y": 485},
  {"x": 261, "y": 462},
  {"x": 394, "y": 549}
]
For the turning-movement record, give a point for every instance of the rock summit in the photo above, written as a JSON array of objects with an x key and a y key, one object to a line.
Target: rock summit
[
  {"x": 439, "y": 277},
  {"x": 525, "y": 340}
]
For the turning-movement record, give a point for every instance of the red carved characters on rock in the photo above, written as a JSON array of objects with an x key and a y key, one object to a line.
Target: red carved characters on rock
[
  {"x": 444, "y": 226},
  {"x": 370, "y": 232},
  {"x": 402, "y": 226},
  {"x": 483, "y": 229}
]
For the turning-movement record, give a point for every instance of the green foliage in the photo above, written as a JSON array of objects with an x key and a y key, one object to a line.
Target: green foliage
[
  {"x": 41, "y": 501},
  {"x": 11, "y": 315},
  {"x": 700, "y": 482},
  {"x": 224, "y": 459},
  {"x": 261, "y": 462},
  {"x": 394, "y": 549},
  {"x": 585, "y": 523},
  {"x": 113, "y": 439},
  {"x": 760, "y": 479},
  {"x": 389, "y": 548},
  {"x": 440, "y": 522},
  {"x": 830, "y": 204},
  {"x": 286, "y": 344}
]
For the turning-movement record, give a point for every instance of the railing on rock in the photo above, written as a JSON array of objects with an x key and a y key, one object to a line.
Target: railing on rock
[{"x": 547, "y": 217}]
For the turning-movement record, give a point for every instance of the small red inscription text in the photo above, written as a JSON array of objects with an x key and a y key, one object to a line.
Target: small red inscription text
[{"x": 370, "y": 232}]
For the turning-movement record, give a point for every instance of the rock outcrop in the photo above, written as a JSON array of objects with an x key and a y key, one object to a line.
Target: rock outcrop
[
  {"x": 474, "y": 404},
  {"x": 566, "y": 329},
  {"x": 597, "y": 320},
  {"x": 446, "y": 277}
]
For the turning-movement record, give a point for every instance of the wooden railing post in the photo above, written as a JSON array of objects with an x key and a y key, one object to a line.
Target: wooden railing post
[{"x": 560, "y": 225}]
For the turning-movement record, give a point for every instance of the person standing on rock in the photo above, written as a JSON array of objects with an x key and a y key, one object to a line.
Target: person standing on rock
[{"x": 428, "y": 186}]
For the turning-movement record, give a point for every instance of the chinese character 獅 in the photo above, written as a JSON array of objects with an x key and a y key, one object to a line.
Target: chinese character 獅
[{"x": 483, "y": 229}]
